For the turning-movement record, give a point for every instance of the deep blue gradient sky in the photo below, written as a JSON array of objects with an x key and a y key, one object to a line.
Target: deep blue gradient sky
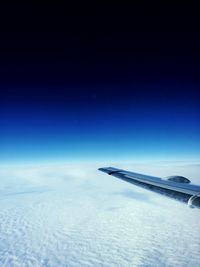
[
  {"x": 81, "y": 88},
  {"x": 148, "y": 121}
]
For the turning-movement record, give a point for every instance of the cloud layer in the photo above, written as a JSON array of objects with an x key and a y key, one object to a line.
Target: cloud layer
[{"x": 73, "y": 215}]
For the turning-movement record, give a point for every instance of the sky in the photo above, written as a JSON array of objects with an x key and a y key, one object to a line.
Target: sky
[
  {"x": 82, "y": 88},
  {"x": 115, "y": 84}
]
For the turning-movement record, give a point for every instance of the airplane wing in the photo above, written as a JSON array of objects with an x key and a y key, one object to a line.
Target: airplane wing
[{"x": 177, "y": 187}]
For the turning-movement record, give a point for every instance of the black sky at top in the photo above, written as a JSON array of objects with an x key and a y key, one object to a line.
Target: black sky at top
[{"x": 47, "y": 49}]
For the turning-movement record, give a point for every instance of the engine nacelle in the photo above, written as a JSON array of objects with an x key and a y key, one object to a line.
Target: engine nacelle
[{"x": 194, "y": 201}]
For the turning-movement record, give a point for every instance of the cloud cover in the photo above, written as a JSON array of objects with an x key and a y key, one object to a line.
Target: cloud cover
[{"x": 73, "y": 215}]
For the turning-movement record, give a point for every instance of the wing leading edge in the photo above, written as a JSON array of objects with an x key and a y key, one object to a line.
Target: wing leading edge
[{"x": 176, "y": 187}]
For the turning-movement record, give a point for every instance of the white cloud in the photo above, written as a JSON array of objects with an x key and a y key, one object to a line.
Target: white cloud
[{"x": 73, "y": 215}]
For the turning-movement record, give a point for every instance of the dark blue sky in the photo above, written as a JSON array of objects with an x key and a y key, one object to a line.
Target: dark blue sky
[{"x": 79, "y": 87}]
